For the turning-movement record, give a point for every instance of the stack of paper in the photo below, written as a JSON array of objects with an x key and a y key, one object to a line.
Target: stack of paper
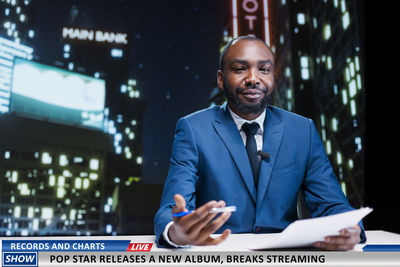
[{"x": 304, "y": 233}]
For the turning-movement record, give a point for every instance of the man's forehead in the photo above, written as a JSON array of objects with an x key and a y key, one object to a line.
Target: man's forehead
[{"x": 251, "y": 48}]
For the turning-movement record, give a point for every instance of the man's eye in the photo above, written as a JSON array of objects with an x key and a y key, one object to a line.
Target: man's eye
[{"x": 265, "y": 69}]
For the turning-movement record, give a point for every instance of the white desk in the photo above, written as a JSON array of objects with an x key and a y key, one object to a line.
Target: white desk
[
  {"x": 235, "y": 242},
  {"x": 238, "y": 242}
]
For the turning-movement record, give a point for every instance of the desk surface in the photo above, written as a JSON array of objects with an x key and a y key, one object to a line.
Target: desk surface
[
  {"x": 235, "y": 242},
  {"x": 238, "y": 242}
]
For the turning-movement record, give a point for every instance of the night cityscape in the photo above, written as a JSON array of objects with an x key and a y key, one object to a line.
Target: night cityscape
[{"x": 90, "y": 93}]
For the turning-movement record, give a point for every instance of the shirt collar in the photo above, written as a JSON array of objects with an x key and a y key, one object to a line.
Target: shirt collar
[{"x": 239, "y": 121}]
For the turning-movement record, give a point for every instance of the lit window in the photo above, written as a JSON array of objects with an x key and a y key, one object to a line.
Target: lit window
[
  {"x": 24, "y": 189},
  {"x": 72, "y": 214},
  {"x": 351, "y": 163},
  {"x": 7, "y": 154},
  {"x": 35, "y": 224},
  {"x": 47, "y": 213},
  {"x": 352, "y": 88},
  {"x": 328, "y": 147},
  {"x": 131, "y": 136},
  {"x": 61, "y": 181},
  {"x": 301, "y": 18},
  {"x": 14, "y": 176},
  {"x": 78, "y": 159},
  {"x": 304, "y": 62},
  {"x": 289, "y": 93},
  {"x": 359, "y": 85},
  {"x": 345, "y": 20},
  {"x": 22, "y": 17},
  {"x": 78, "y": 183},
  {"x": 31, "y": 33},
  {"x": 322, "y": 120},
  {"x": 52, "y": 180},
  {"x": 108, "y": 228},
  {"x": 343, "y": 6},
  {"x": 93, "y": 176},
  {"x": 63, "y": 160},
  {"x": 343, "y": 185},
  {"x": 347, "y": 74},
  {"x": 335, "y": 123},
  {"x": 327, "y": 32},
  {"x": 353, "y": 107},
  {"x": 357, "y": 141},
  {"x": 352, "y": 70},
  {"x": 46, "y": 158},
  {"x": 116, "y": 52},
  {"x": 344, "y": 97},
  {"x": 357, "y": 63},
  {"x": 338, "y": 158},
  {"x": 329, "y": 63},
  {"x": 139, "y": 160},
  {"x": 85, "y": 183},
  {"x": 94, "y": 164},
  {"x": 287, "y": 72},
  {"x": 67, "y": 48},
  {"x": 107, "y": 208},
  {"x": 305, "y": 74},
  {"x": 70, "y": 66},
  {"x": 60, "y": 192},
  {"x": 17, "y": 211},
  {"x": 335, "y": 3},
  {"x": 132, "y": 82}
]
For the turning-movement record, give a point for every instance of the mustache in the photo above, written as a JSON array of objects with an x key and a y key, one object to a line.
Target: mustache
[{"x": 240, "y": 90}]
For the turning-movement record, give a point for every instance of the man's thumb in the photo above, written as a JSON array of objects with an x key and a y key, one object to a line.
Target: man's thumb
[{"x": 180, "y": 204}]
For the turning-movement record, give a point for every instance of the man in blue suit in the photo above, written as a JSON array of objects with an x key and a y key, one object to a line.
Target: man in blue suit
[{"x": 214, "y": 157}]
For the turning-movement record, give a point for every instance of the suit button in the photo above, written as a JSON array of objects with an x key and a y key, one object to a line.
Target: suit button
[{"x": 258, "y": 229}]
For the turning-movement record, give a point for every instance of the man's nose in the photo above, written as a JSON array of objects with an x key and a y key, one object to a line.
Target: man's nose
[{"x": 252, "y": 79}]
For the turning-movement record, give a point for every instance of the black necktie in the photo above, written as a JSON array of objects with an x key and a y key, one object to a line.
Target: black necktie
[{"x": 251, "y": 147}]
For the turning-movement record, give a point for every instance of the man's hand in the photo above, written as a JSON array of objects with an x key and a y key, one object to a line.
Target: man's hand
[
  {"x": 347, "y": 239},
  {"x": 196, "y": 227}
]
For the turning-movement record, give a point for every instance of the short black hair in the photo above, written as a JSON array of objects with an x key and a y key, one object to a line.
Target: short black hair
[{"x": 228, "y": 45}]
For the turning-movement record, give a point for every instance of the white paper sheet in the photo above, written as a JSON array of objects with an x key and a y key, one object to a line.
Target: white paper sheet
[{"x": 304, "y": 233}]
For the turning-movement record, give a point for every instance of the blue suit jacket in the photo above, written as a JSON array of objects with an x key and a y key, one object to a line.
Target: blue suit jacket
[{"x": 209, "y": 162}]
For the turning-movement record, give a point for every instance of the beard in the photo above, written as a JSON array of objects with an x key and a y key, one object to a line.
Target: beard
[{"x": 247, "y": 108}]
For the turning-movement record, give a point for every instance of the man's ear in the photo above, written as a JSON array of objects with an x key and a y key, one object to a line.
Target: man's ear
[{"x": 220, "y": 79}]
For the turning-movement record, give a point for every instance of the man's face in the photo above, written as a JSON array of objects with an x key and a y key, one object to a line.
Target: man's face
[{"x": 248, "y": 76}]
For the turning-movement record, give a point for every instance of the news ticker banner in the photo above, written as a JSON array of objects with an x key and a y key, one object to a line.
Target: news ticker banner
[{"x": 35, "y": 253}]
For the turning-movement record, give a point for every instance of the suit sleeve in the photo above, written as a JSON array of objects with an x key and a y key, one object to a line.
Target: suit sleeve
[
  {"x": 182, "y": 177},
  {"x": 322, "y": 192}
]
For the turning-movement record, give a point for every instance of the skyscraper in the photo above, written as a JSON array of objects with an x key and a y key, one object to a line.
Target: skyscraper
[
  {"x": 65, "y": 179},
  {"x": 319, "y": 54}
]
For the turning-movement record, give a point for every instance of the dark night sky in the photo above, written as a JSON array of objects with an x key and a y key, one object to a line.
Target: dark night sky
[{"x": 175, "y": 48}]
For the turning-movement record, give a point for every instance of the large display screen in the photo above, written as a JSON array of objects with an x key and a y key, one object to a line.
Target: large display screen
[{"x": 50, "y": 93}]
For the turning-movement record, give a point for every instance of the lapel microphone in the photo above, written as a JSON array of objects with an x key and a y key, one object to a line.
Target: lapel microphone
[{"x": 264, "y": 155}]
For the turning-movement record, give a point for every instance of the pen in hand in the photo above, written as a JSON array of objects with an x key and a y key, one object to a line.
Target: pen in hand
[{"x": 213, "y": 210}]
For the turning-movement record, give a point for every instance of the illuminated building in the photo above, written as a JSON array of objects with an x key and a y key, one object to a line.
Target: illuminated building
[
  {"x": 319, "y": 74},
  {"x": 63, "y": 179}
]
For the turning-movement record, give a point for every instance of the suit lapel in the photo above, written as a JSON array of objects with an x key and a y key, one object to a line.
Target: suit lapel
[
  {"x": 228, "y": 132},
  {"x": 273, "y": 131}
]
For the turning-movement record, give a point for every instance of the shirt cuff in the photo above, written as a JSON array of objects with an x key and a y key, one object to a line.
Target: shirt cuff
[{"x": 166, "y": 238}]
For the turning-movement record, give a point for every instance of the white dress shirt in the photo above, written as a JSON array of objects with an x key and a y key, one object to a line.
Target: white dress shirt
[{"x": 239, "y": 121}]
